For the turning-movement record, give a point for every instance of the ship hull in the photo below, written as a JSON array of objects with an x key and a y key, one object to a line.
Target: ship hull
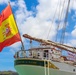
[
  {"x": 35, "y": 67},
  {"x": 37, "y": 70}
]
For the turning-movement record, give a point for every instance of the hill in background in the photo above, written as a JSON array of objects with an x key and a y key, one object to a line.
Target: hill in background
[{"x": 8, "y": 73}]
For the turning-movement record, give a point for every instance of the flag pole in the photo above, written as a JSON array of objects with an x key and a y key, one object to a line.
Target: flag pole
[{"x": 22, "y": 48}]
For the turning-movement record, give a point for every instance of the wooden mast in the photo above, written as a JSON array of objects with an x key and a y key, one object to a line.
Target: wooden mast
[{"x": 48, "y": 42}]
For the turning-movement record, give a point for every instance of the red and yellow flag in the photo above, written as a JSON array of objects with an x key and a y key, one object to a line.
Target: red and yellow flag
[{"x": 8, "y": 31}]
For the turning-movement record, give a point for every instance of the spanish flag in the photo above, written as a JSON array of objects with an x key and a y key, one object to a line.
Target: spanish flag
[{"x": 8, "y": 30}]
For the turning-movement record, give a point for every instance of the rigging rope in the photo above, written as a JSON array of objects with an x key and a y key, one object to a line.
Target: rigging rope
[
  {"x": 65, "y": 22},
  {"x": 59, "y": 18},
  {"x": 52, "y": 20}
]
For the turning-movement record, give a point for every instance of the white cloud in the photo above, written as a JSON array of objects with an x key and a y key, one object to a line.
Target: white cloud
[
  {"x": 74, "y": 32},
  {"x": 21, "y": 13},
  {"x": 72, "y": 42},
  {"x": 35, "y": 26},
  {"x": 13, "y": 4},
  {"x": 44, "y": 21},
  {"x": 15, "y": 46},
  {"x": 4, "y": 1},
  {"x": 40, "y": 25},
  {"x": 73, "y": 4}
]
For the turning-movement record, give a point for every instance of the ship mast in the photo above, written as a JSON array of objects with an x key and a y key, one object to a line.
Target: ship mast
[{"x": 48, "y": 42}]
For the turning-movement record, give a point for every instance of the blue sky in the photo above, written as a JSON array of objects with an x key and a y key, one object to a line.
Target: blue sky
[{"x": 35, "y": 17}]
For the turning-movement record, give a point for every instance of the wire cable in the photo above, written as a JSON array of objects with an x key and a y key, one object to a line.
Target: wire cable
[
  {"x": 59, "y": 18},
  {"x": 52, "y": 20},
  {"x": 65, "y": 22}
]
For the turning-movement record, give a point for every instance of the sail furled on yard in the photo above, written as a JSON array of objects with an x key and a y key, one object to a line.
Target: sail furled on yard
[
  {"x": 51, "y": 43},
  {"x": 8, "y": 30}
]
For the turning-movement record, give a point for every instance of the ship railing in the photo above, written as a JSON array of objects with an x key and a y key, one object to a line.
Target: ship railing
[
  {"x": 40, "y": 55},
  {"x": 36, "y": 55}
]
